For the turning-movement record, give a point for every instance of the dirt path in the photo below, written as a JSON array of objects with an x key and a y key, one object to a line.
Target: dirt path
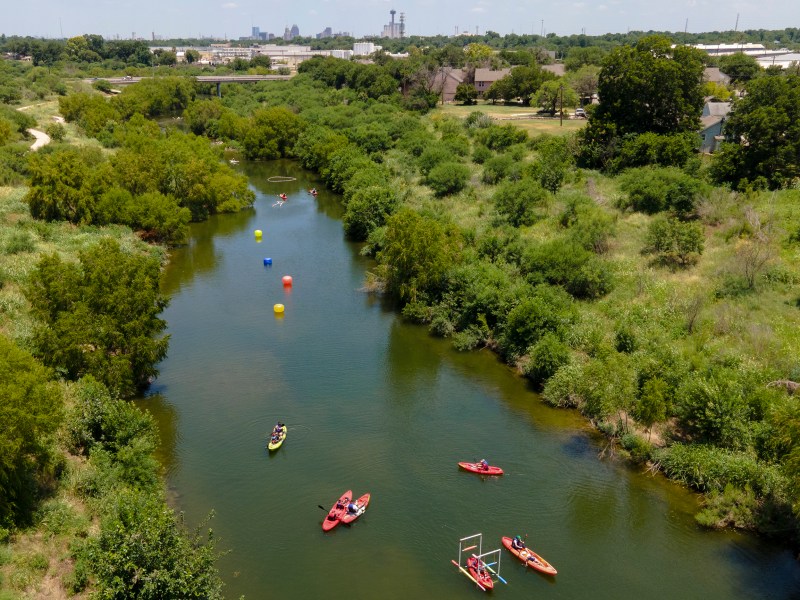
[{"x": 42, "y": 139}]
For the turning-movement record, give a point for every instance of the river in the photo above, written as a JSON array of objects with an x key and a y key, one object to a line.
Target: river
[{"x": 376, "y": 405}]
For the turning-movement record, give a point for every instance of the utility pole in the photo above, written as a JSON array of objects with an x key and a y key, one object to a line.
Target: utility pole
[{"x": 561, "y": 104}]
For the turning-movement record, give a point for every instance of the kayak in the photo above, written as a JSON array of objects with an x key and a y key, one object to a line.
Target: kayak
[
  {"x": 275, "y": 445},
  {"x": 479, "y": 573},
  {"x": 478, "y": 468},
  {"x": 362, "y": 502},
  {"x": 530, "y": 558},
  {"x": 337, "y": 511}
]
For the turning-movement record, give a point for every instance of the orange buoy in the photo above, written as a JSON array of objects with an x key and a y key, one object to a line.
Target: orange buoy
[{"x": 287, "y": 280}]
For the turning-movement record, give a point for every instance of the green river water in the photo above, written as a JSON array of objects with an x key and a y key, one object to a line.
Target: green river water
[{"x": 375, "y": 404}]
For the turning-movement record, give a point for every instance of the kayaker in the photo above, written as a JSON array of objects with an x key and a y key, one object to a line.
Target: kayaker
[
  {"x": 517, "y": 543},
  {"x": 352, "y": 508},
  {"x": 484, "y": 465},
  {"x": 313, "y": 191}
]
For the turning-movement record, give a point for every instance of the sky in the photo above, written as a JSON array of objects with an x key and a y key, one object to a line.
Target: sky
[{"x": 234, "y": 18}]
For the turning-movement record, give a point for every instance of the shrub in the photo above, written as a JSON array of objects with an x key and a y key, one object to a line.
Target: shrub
[
  {"x": 674, "y": 242},
  {"x": 368, "y": 209},
  {"x": 563, "y": 389},
  {"x": 448, "y": 178},
  {"x": 56, "y": 131},
  {"x": 709, "y": 468},
  {"x": 562, "y": 262},
  {"x": 639, "y": 449},
  {"x": 519, "y": 201},
  {"x": 480, "y": 154},
  {"x": 547, "y": 308},
  {"x": 434, "y": 155},
  {"x": 496, "y": 168},
  {"x": 665, "y": 150},
  {"x": 20, "y": 241},
  {"x": 652, "y": 190},
  {"x": 546, "y": 357},
  {"x": 500, "y": 137}
]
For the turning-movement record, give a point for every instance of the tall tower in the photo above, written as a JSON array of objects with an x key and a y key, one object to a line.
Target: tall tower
[
  {"x": 393, "y": 12},
  {"x": 402, "y": 25}
]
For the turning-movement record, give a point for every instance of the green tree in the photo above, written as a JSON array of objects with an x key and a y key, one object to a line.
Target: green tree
[
  {"x": 652, "y": 406},
  {"x": 31, "y": 412},
  {"x": 763, "y": 140},
  {"x": 740, "y": 67},
  {"x": 466, "y": 93},
  {"x": 143, "y": 551},
  {"x": 272, "y": 133},
  {"x": 191, "y": 55},
  {"x": 648, "y": 87},
  {"x": 553, "y": 95},
  {"x": 100, "y": 317},
  {"x": 415, "y": 256},
  {"x": 66, "y": 183}
]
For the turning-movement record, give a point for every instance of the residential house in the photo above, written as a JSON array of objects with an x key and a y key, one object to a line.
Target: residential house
[
  {"x": 486, "y": 77},
  {"x": 713, "y": 74},
  {"x": 557, "y": 69},
  {"x": 713, "y": 120},
  {"x": 447, "y": 81}
]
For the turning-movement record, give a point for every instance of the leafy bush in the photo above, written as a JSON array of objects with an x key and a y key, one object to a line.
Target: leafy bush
[
  {"x": 496, "y": 168},
  {"x": 368, "y": 209},
  {"x": 707, "y": 468},
  {"x": 480, "y": 154},
  {"x": 563, "y": 389},
  {"x": 546, "y": 357},
  {"x": 562, "y": 262},
  {"x": 447, "y": 178},
  {"x": 547, "y": 308},
  {"x": 143, "y": 551},
  {"x": 56, "y": 131},
  {"x": 664, "y": 150},
  {"x": 31, "y": 411},
  {"x": 434, "y": 155},
  {"x": 640, "y": 450},
  {"x": 589, "y": 226},
  {"x": 674, "y": 242},
  {"x": 100, "y": 317},
  {"x": 522, "y": 202},
  {"x": 20, "y": 241},
  {"x": 500, "y": 137},
  {"x": 655, "y": 189}
]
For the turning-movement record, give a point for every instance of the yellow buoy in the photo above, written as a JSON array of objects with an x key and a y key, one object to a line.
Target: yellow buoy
[
  {"x": 258, "y": 233},
  {"x": 278, "y": 308}
]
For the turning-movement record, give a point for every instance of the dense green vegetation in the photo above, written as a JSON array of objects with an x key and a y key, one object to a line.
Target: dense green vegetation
[{"x": 623, "y": 275}]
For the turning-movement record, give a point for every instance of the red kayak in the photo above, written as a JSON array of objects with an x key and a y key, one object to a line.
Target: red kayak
[
  {"x": 530, "y": 558},
  {"x": 479, "y": 468},
  {"x": 361, "y": 503},
  {"x": 477, "y": 570},
  {"x": 337, "y": 511}
]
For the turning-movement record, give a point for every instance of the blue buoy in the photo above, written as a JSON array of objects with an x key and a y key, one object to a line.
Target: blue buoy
[{"x": 268, "y": 262}]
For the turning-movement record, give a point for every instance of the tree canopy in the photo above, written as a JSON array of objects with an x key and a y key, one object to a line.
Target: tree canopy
[{"x": 100, "y": 317}]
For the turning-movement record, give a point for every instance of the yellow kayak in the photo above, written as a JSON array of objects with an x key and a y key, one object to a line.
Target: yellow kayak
[{"x": 274, "y": 445}]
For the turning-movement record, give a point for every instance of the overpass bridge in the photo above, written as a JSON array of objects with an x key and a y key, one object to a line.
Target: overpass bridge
[{"x": 213, "y": 79}]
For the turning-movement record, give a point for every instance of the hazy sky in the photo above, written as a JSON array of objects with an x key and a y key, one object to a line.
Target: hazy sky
[{"x": 234, "y": 18}]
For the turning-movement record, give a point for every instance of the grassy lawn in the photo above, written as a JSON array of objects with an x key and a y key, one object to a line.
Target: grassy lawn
[{"x": 526, "y": 117}]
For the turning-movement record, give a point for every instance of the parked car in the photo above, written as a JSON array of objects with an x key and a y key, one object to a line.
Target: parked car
[{"x": 581, "y": 113}]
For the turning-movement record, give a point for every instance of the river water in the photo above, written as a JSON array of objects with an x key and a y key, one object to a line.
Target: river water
[{"x": 377, "y": 405}]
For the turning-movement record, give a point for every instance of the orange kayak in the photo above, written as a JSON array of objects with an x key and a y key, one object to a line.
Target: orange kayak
[
  {"x": 477, "y": 569},
  {"x": 349, "y": 517},
  {"x": 337, "y": 511},
  {"x": 530, "y": 558},
  {"x": 478, "y": 468}
]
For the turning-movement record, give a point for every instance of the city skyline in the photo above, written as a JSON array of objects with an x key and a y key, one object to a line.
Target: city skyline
[{"x": 232, "y": 19}]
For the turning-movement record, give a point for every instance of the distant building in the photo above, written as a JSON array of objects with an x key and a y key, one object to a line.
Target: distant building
[
  {"x": 782, "y": 60},
  {"x": 295, "y": 31},
  {"x": 557, "y": 69},
  {"x": 326, "y": 33},
  {"x": 713, "y": 120},
  {"x": 484, "y": 78},
  {"x": 393, "y": 30},
  {"x": 255, "y": 33},
  {"x": 749, "y": 49},
  {"x": 346, "y": 54},
  {"x": 364, "y": 48}
]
